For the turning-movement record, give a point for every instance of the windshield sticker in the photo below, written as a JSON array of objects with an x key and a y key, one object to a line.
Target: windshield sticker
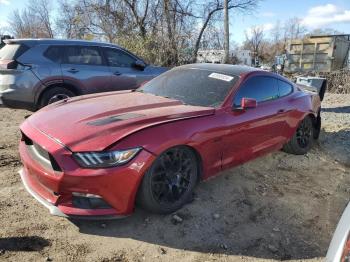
[{"x": 221, "y": 77}]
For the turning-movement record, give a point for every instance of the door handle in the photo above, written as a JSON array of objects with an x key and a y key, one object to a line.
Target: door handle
[
  {"x": 117, "y": 73},
  {"x": 73, "y": 70}
]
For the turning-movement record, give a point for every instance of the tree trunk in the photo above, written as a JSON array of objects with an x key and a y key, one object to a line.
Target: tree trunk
[
  {"x": 227, "y": 32},
  {"x": 199, "y": 38}
]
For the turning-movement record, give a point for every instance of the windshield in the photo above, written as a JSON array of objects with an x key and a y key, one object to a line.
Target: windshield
[{"x": 192, "y": 86}]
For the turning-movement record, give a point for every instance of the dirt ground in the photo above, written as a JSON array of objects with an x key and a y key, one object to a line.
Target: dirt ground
[{"x": 280, "y": 206}]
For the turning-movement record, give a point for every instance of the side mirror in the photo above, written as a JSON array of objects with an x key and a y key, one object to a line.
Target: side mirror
[
  {"x": 248, "y": 103},
  {"x": 139, "y": 64}
]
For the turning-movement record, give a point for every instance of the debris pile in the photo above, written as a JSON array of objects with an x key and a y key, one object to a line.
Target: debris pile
[{"x": 338, "y": 82}]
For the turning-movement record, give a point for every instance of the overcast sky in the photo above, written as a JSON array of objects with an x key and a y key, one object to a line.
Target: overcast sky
[{"x": 314, "y": 14}]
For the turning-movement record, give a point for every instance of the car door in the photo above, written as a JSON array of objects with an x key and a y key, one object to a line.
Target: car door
[
  {"x": 257, "y": 130},
  {"x": 124, "y": 73},
  {"x": 84, "y": 67}
]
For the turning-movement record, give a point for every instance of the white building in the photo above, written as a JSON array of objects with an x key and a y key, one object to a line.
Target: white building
[
  {"x": 217, "y": 56},
  {"x": 244, "y": 56},
  {"x": 211, "y": 56}
]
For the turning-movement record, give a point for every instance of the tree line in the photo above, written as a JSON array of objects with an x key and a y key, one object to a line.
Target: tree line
[{"x": 163, "y": 32}]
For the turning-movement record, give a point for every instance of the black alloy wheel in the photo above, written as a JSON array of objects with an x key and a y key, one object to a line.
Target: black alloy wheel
[
  {"x": 169, "y": 183},
  {"x": 304, "y": 134},
  {"x": 302, "y": 139}
]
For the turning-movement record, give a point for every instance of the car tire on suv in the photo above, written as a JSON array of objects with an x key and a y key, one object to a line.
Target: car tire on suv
[{"x": 54, "y": 94}]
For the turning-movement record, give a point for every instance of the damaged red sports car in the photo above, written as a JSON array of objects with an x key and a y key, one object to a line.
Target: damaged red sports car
[{"x": 97, "y": 155}]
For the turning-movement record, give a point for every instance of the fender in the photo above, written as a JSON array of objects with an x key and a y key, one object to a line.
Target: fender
[
  {"x": 45, "y": 84},
  {"x": 201, "y": 133},
  {"x": 53, "y": 82}
]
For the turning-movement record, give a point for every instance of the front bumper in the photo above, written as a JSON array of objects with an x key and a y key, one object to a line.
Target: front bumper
[
  {"x": 53, "y": 189},
  {"x": 54, "y": 210}
]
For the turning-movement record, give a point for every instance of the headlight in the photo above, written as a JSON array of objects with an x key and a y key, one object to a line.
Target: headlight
[{"x": 105, "y": 159}]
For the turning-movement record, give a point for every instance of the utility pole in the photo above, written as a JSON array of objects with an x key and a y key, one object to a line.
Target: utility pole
[{"x": 227, "y": 33}]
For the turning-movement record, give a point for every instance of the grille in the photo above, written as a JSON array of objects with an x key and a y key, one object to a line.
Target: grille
[
  {"x": 40, "y": 155},
  {"x": 40, "y": 152}
]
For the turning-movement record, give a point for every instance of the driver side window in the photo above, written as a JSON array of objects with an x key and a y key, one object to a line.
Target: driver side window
[{"x": 260, "y": 88}]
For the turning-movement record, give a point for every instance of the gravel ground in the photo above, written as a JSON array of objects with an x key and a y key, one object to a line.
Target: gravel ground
[{"x": 278, "y": 207}]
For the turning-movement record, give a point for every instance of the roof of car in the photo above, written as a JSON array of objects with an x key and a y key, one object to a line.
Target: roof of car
[
  {"x": 33, "y": 42},
  {"x": 224, "y": 68}
]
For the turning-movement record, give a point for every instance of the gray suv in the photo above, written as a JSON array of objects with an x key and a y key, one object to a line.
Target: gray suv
[{"x": 37, "y": 72}]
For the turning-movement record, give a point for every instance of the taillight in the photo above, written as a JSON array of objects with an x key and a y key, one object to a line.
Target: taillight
[
  {"x": 13, "y": 64},
  {"x": 346, "y": 251},
  {"x": 8, "y": 64}
]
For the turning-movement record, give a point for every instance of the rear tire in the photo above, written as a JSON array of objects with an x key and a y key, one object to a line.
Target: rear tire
[
  {"x": 301, "y": 141},
  {"x": 55, "y": 94},
  {"x": 170, "y": 181}
]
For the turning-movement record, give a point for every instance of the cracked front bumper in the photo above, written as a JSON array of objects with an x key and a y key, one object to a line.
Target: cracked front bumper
[{"x": 54, "y": 210}]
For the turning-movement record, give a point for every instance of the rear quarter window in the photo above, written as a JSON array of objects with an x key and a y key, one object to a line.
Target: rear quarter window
[
  {"x": 284, "y": 88},
  {"x": 12, "y": 51}
]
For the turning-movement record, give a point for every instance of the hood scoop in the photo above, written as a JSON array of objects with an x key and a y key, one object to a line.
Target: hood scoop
[{"x": 112, "y": 119}]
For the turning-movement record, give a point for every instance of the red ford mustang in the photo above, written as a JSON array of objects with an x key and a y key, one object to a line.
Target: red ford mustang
[{"x": 96, "y": 155}]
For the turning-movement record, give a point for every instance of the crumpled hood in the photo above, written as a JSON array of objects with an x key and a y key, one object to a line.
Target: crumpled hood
[{"x": 94, "y": 122}]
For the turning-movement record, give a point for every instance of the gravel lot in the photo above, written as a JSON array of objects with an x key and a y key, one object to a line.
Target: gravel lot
[{"x": 276, "y": 207}]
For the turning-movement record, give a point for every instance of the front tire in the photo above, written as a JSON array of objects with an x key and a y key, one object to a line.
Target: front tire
[
  {"x": 55, "y": 94},
  {"x": 301, "y": 141},
  {"x": 170, "y": 181}
]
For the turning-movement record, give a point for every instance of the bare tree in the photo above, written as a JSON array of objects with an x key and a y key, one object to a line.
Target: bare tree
[
  {"x": 163, "y": 31},
  {"x": 41, "y": 9},
  {"x": 254, "y": 40},
  {"x": 227, "y": 31},
  {"x": 212, "y": 7},
  {"x": 79, "y": 18},
  {"x": 293, "y": 29},
  {"x": 325, "y": 31},
  {"x": 17, "y": 24},
  {"x": 276, "y": 32},
  {"x": 33, "y": 21},
  {"x": 213, "y": 37},
  {"x": 139, "y": 11},
  {"x": 68, "y": 23}
]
